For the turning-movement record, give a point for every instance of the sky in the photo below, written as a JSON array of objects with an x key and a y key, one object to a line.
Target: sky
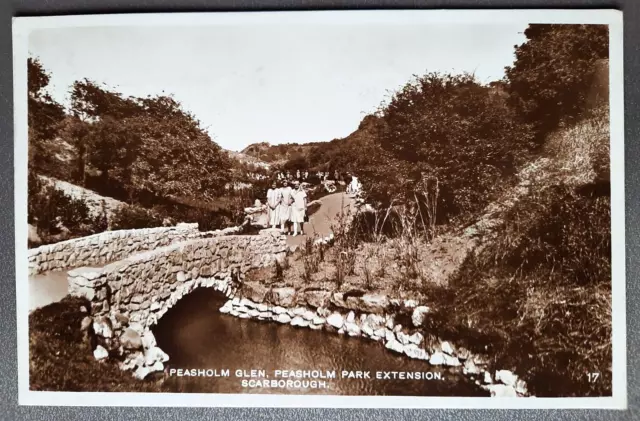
[{"x": 275, "y": 84}]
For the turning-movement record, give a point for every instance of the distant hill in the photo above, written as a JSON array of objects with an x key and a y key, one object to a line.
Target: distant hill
[{"x": 279, "y": 154}]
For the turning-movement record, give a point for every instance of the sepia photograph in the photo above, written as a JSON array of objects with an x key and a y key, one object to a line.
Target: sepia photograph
[{"x": 391, "y": 208}]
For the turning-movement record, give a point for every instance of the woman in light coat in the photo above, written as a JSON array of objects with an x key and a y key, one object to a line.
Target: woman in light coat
[
  {"x": 274, "y": 197},
  {"x": 299, "y": 209},
  {"x": 285, "y": 207}
]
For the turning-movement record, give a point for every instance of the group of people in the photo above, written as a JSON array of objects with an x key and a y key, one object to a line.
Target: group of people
[
  {"x": 287, "y": 207},
  {"x": 288, "y": 176},
  {"x": 304, "y": 175}
]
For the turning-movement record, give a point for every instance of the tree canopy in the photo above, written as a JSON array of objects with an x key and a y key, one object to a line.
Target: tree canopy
[{"x": 554, "y": 71}]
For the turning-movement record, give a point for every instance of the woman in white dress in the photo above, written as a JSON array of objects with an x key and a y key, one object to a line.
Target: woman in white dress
[
  {"x": 299, "y": 209},
  {"x": 285, "y": 207},
  {"x": 274, "y": 197}
]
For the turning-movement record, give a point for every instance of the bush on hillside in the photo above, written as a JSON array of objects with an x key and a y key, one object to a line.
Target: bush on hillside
[
  {"x": 539, "y": 297},
  {"x": 450, "y": 139},
  {"x": 554, "y": 75},
  {"x": 133, "y": 217},
  {"x": 57, "y": 216}
]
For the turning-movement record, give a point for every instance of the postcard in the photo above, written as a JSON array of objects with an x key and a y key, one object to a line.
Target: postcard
[{"x": 409, "y": 208}]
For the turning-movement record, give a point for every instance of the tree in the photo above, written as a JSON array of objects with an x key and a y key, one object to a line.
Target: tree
[
  {"x": 553, "y": 73},
  {"x": 451, "y": 129},
  {"x": 44, "y": 114},
  {"x": 148, "y": 144}
]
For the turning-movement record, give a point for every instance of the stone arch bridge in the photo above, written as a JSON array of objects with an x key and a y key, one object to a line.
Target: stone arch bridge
[{"x": 144, "y": 273}]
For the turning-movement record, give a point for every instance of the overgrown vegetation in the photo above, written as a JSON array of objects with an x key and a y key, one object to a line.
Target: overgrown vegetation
[
  {"x": 61, "y": 359},
  {"x": 57, "y": 216}
]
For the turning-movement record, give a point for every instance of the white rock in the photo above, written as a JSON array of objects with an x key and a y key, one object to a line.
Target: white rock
[
  {"x": 521, "y": 387},
  {"x": 299, "y": 311},
  {"x": 283, "y": 318},
  {"x": 446, "y": 348},
  {"x": 299, "y": 321},
  {"x": 244, "y": 316},
  {"x": 315, "y": 327},
  {"x": 413, "y": 351},
  {"x": 389, "y": 335},
  {"x": 262, "y": 307},
  {"x": 142, "y": 372},
  {"x": 416, "y": 338},
  {"x": 226, "y": 308},
  {"x": 279, "y": 310},
  {"x": 470, "y": 368},
  {"x": 390, "y": 322},
  {"x": 336, "y": 320},
  {"x": 102, "y": 328},
  {"x": 506, "y": 377},
  {"x": 403, "y": 338},
  {"x": 351, "y": 317},
  {"x": 154, "y": 355},
  {"x": 253, "y": 312},
  {"x": 410, "y": 303},
  {"x": 100, "y": 353},
  {"x": 317, "y": 320},
  {"x": 352, "y": 329},
  {"x": 375, "y": 321},
  {"x": 486, "y": 378},
  {"x": 418, "y": 315},
  {"x": 367, "y": 330},
  {"x": 437, "y": 358},
  {"x": 398, "y": 328},
  {"x": 148, "y": 340},
  {"x": 380, "y": 333},
  {"x": 451, "y": 361},
  {"x": 394, "y": 346},
  {"x": 309, "y": 315},
  {"x": 157, "y": 366},
  {"x": 502, "y": 391}
]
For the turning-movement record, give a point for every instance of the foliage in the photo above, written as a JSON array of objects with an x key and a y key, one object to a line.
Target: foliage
[
  {"x": 44, "y": 114},
  {"x": 57, "y": 216},
  {"x": 149, "y": 143},
  {"x": 60, "y": 359},
  {"x": 453, "y": 130},
  {"x": 133, "y": 217},
  {"x": 553, "y": 74},
  {"x": 539, "y": 296}
]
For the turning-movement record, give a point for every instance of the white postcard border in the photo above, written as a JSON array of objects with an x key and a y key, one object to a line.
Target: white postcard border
[{"x": 21, "y": 30}]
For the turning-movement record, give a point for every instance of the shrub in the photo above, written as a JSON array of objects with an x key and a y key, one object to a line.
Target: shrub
[
  {"x": 133, "y": 217},
  {"x": 454, "y": 145},
  {"x": 539, "y": 296},
  {"x": 554, "y": 74},
  {"x": 56, "y": 215}
]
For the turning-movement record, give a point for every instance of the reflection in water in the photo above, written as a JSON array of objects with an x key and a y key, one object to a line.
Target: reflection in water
[{"x": 197, "y": 336}]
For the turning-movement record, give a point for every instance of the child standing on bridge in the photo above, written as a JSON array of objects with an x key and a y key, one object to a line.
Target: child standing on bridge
[
  {"x": 299, "y": 209},
  {"x": 285, "y": 207},
  {"x": 274, "y": 197}
]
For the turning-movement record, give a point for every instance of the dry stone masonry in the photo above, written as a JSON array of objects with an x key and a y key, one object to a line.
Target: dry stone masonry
[
  {"x": 109, "y": 246},
  {"x": 129, "y": 296}
]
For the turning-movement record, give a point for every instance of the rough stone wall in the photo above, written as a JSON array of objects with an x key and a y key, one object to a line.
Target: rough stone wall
[
  {"x": 109, "y": 246},
  {"x": 129, "y": 296}
]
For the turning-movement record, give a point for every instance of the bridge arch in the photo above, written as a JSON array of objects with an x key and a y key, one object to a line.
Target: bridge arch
[{"x": 129, "y": 296}]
